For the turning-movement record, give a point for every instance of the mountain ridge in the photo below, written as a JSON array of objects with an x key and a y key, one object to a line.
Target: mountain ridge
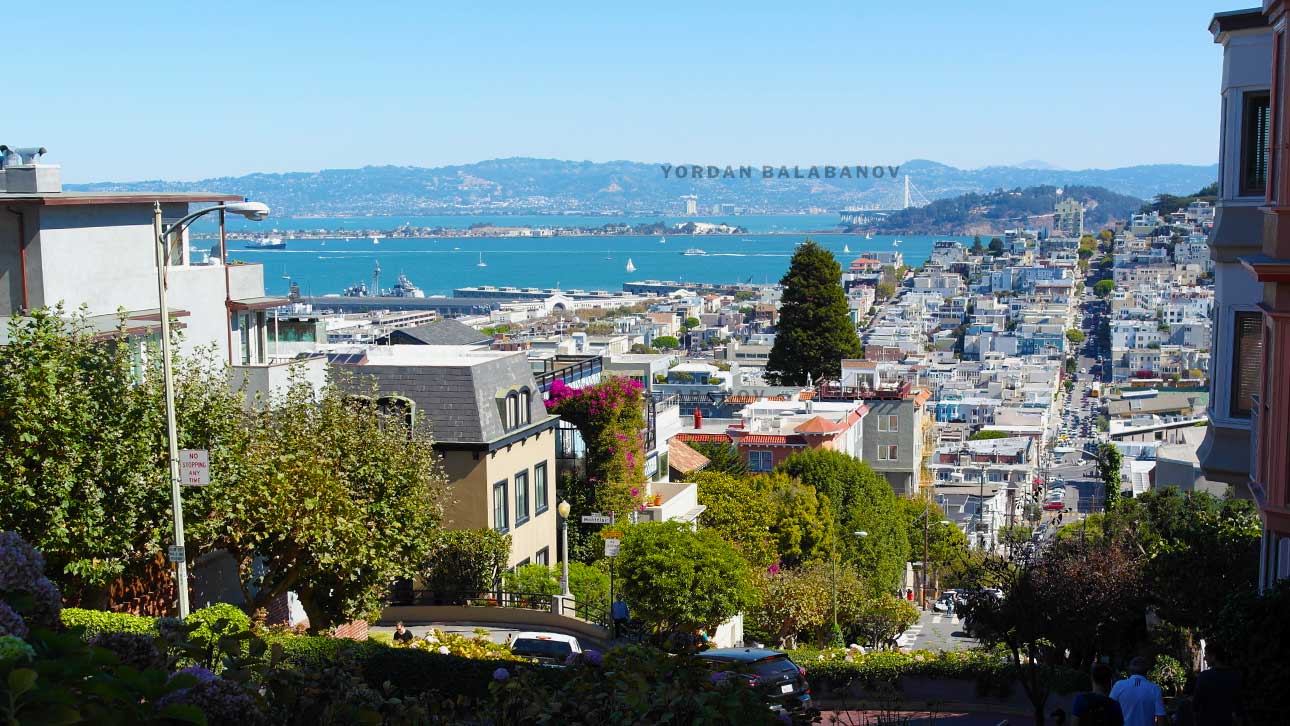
[{"x": 533, "y": 185}]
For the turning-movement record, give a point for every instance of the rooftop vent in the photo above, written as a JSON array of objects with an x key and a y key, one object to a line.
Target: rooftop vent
[{"x": 22, "y": 173}]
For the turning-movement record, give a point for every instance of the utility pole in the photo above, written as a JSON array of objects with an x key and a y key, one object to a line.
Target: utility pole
[{"x": 922, "y": 589}]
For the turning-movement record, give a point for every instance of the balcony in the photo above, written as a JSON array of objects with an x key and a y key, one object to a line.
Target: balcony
[{"x": 263, "y": 383}]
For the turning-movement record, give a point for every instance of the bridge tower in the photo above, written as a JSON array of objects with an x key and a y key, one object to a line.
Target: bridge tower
[{"x": 905, "y": 204}]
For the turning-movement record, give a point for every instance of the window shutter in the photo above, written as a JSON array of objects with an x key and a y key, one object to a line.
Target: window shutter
[{"x": 1247, "y": 362}]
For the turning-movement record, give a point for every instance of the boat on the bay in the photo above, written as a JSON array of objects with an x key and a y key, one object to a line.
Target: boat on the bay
[
  {"x": 481, "y": 262},
  {"x": 630, "y": 266},
  {"x": 694, "y": 252},
  {"x": 846, "y": 248},
  {"x": 267, "y": 243}
]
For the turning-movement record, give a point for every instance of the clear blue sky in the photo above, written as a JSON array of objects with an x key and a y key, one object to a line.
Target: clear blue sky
[{"x": 141, "y": 90}]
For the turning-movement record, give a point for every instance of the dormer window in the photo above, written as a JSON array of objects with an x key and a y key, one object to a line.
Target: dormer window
[
  {"x": 512, "y": 410},
  {"x": 526, "y": 401}
]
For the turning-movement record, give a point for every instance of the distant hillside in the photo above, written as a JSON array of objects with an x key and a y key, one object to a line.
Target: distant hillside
[
  {"x": 991, "y": 213},
  {"x": 522, "y": 185}
]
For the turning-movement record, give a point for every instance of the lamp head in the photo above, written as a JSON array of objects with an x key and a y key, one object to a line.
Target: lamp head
[
  {"x": 254, "y": 211},
  {"x": 563, "y": 509}
]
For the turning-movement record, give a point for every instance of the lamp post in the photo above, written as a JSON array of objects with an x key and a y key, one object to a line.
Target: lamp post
[
  {"x": 253, "y": 211},
  {"x": 922, "y": 586},
  {"x": 563, "y": 510}
]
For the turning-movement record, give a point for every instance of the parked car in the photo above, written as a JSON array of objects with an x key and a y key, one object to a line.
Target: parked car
[
  {"x": 770, "y": 672},
  {"x": 545, "y": 648}
]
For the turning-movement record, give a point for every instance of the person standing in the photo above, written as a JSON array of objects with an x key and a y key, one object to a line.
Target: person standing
[
  {"x": 402, "y": 636},
  {"x": 1096, "y": 708},
  {"x": 1218, "y": 691},
  {"x": 619, "y": 612},
  {"x": 1141, "y": 701}
]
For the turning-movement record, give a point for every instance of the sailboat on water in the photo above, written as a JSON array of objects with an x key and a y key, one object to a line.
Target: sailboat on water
[
  {"x": 481, "y": 262},
  {"x": 662, "y": 240},
  {"x": 630, "y": 266},
  {"x": 846, "y": 248},
  {"x": 608, "y": 255}
]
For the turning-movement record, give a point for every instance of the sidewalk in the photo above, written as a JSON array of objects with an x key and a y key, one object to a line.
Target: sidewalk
[{"x": 949, "y": 715}]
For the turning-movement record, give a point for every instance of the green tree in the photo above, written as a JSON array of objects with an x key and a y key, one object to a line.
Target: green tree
[
  {"x": 815, "y": 330},
  {"x": 884, "y": 290},
  {"x": 977, "y": 247},
  {"x": 678, "y": 580},
  {"x": 464, "y": 560},
  {"x": 882, "y": 617},
  {"x": 804, "y": 526},
  {"x": 337, "y": 498},
  {"x": 1108, "y": 470},
  {"x": 1075, "y": 336},
  {"x": 947, "y": 545},
  {"x": 667, "y": 342},
  {"x": 745, "y": 295},
  {"x": 83, "y": 461},
  {"x": 797, "y": 604},
  {"x": 691, "y": 323},
  {"x": 863, "y": 502},
  {"x": 984, "y": 435},
  {"x": 996, "y": 246},
  {"x": 739, "y": 509},
  {"x": 722, "y": 457},
  {"x": 1084, "y": 254},
  {"x": 1103, "y": 288}
]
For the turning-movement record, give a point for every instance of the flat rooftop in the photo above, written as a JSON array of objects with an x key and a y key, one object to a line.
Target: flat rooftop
[
  {"x": 445, "y": 356},
  {"x": 52, "y": 199}
]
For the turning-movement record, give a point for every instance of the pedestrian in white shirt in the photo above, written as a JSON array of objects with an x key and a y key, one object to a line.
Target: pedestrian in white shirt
[{"x": 1141, "y": 701}]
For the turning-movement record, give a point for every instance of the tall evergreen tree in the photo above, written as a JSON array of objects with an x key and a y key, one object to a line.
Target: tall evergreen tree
[{"x": 815, "y": 330}]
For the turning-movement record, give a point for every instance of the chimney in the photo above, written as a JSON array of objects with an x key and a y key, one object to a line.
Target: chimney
[
  {"x": 698, "y": 418},
  {"x": 21, "y": 174}
]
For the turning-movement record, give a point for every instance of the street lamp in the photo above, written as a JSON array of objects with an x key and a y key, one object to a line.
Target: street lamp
[
  {"x": 254, "y": 211},
  {"x": 563, "y": 510}
]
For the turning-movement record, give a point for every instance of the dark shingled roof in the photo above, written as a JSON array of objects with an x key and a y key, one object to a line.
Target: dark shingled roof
[{"x": 441, "y": 332}]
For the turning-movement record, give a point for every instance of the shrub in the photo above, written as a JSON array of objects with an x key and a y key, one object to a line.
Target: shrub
[
  {"x": 216, "y": 621},
  {"x": 137, "y": 650},
  {"x": 97, "y": 622},
  {"x": 836, "y": 669}
]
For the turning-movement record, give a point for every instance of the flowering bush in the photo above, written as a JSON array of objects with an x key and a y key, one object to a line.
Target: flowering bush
[
  {"x": 133, "y": 649},
  {"x": 478, "y": 647},
  {"x": 610, "y": 415},
  {"x": 13, "y": 648},
  {"x": 224, "y": 702},
  {"x": 23, "y": 581}
]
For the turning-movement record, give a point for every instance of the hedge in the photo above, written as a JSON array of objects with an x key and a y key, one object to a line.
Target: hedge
[
  {"x": 992, "y": 672},
  {"x": 97, "y": 622}
]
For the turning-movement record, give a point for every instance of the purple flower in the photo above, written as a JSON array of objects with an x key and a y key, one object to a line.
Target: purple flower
[
  {"x": 11, "y": 623},
  {"x": 785, "y": 718},
  {"x": 719, "y": 677},
  {"x": 635, "y": 492},
  {"x": 774, "y": 569},
  {"x": 501, "y": 674},
  {"x": 201, "y": 674},
  {"x": 593, "y": 657}
]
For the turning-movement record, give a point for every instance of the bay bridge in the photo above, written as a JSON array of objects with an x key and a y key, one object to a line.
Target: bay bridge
[{"x": 859, "y": 216}]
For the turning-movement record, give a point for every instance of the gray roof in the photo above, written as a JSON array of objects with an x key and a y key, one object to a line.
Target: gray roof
[
  {"x": 462, "y": 394},
  {"x": 441, "y": 332}
]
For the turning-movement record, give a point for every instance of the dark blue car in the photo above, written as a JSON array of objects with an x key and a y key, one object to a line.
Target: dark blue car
[{"x": 770, "y": 672}]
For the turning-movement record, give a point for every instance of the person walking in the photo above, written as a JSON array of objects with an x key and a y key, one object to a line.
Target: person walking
[
  {"x": 619, "y": 612},
  {"x": 1141, "y": 701},
  {"x": 1218, "y": 691},
  {"x": 1096, "y": 708}
]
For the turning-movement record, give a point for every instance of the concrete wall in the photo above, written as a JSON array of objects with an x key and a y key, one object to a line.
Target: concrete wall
[
  {"x": 902, "y": 473},
  {"x": 519, "y": 618},
  {"x": 472, "y": 475},
  {"x": 269, "y": 382}
]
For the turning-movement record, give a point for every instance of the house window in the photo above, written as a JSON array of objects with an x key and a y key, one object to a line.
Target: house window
[
  {"x": 500, "y": 521},
  {"x": 1247, "y": 359},
  {"x": 512, "y": 410},
  {"x": 1255, "y": 129},
  {"x": 543, "y": 557},
  {"x": 759, "y": 461},
  {"x": 887, "y": 452},
  {"x": 889, "y": 423},
  {"x": 521, "y": 498},
  {"x": 540, "y": 502},
  {"x": 521, "y": 563},
  {"x": 526, "y": 398}
]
